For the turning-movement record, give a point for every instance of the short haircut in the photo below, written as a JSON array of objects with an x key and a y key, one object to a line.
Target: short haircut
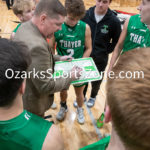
[
  {"x": 19, "y": 6},
  {"x": 75, "y": 7},
  {"x": 52, "y": 8},
  {"x": 129, "y": 100},
  {"x": 109, "y": 1},
  {"x": 15, "y": 56}
]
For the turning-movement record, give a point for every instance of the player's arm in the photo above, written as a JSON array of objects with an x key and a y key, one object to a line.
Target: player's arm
[
  {"x": 119, "y": 46},
  {"x": 53, "y": 140},
  {"x": 88, "y": 42},
  {"x": 52, "y": 44}
]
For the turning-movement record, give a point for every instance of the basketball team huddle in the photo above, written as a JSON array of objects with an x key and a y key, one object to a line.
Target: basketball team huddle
[{"x": 49, "y": 32}]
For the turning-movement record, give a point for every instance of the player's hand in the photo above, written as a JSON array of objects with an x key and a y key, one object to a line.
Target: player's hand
[
  {"x": 76, "y": 72},
  {"x": 66, "y": 58}
]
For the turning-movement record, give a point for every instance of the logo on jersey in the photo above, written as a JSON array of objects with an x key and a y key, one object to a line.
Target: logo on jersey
[
  {"x": 133, "y": 27},
  {"x": 69, "y": 29},
  {"x": 105, "y": 29},
  {"x": 60, "y": 35},
  {"x": 142, "y": 30},
  {"x": 27, "y": 116}
]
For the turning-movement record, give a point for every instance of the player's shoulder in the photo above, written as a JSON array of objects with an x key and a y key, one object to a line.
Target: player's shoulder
[{"x": 55, "y": 137}]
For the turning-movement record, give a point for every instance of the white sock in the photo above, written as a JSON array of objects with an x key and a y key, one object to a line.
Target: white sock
[{"x": 79, "y": 108}]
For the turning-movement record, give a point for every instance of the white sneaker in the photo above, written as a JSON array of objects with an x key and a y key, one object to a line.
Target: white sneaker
[
  {"x": 61, "y": 114},
  {"x": 91, "y": 102},
  {"x": 80, "y": 115},
  {"x": 75, "y": 103},
  {"x": 53, "y": 106}
]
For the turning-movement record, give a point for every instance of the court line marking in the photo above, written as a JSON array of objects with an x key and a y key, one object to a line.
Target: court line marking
[{"x": 93, "y": 120}]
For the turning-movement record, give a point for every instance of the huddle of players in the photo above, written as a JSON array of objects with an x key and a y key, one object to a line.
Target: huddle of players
[{"x": 73, "y": 26}]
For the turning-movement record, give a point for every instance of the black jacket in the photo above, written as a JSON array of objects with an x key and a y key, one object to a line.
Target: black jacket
[{"x": 105, "y": 34}]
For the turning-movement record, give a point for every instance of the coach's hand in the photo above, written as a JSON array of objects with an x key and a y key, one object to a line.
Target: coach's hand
[
  {"x": 66, "y": 58},
  {"x": 76, "y": 72}
]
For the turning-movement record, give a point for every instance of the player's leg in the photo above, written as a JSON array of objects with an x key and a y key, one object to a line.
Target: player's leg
[
  {"x": 8, "y": 4},
  {"x": 75, "y": 104},
  {"x": 96, "y": 84},
  {"x": 63, "y": 108},
  {"x": 80, "y": 99}
]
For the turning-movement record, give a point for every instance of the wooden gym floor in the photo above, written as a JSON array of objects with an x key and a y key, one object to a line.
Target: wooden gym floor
[{"x": 75, "y": 135}]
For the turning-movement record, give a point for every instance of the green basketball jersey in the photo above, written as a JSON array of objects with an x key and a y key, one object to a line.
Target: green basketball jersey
[
  {"x": 24, "y": 132},
  {"x": 138, "y": 35},
  {"x": 100, "y": 145},
  {"x": 71, "y": 40}
]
